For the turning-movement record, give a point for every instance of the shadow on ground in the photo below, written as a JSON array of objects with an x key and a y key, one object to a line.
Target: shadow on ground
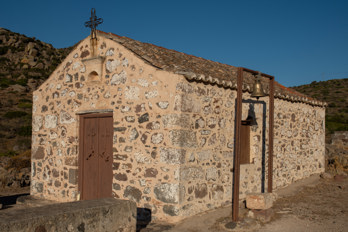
[{"x": 9, "y": 201}]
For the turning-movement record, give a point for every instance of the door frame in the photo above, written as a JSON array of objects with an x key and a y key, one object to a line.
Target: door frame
[{"x": 80, "y": 156}]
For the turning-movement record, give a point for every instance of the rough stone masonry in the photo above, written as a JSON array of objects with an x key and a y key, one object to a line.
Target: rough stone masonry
[{"x": 173, "y": 138}]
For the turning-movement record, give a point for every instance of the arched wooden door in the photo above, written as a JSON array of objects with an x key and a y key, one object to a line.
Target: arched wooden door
[{"x": 95, "y": 159}]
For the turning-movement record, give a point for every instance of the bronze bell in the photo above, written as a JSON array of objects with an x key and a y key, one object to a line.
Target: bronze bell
[{"x": 257, "y": 88}]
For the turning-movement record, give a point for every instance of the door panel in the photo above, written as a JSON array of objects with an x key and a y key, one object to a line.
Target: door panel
[
  {"x": 96, "y": 132},
  {"x": 105, "y": 156},
  {"x": 90, "y": 155}
]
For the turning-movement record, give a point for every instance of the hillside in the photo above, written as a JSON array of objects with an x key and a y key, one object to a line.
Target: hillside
[
  {"x": 24, "y": 64},
  {"x": 335, "y": 93}
]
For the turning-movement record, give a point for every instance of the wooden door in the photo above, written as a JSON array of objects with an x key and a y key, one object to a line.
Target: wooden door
[{"x": 95, "y": 161}]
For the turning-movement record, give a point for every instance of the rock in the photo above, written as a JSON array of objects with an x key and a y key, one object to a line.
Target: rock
[
  {"x": 111, "y": 65},
  {"x": 171, "y": 210},
  {"x": 132, "y": 193},
  {"x": 201, "y": 190},
  {"x": 183, "y": 138},
  {"x": 157, "y": 138},
  {"x": 120, "y": 78},
  {"x": 326, "y": 175},
  {"x": 66, "y": 118},
  {"x": 40, "y": 66},
  {"x": 212, "y": 174},
  {"x": 263, "y": 215},
  {"x": 172, "y": 155},
  {"x": 259, "y": 200},
  {"x": 17, "y": 88},
  {"x": 191, "y": 173},
  {"x": 339, "y": 177},
  {"x": 176, "y": 120},
  {"x": 143, "y": 118},
  {"x": 32, "y": 62},
  {"x": 166, "y": 192},
  {"x": 251, "y": 214},
  {"x": 39, "y": 153},
  {"x": 50, "y": 121},
  {"x": 32, "y": 84},
  {"x": 151, "y": 172},
  {"x": 163, "y": 104},
  {"x": 73, "y": 176}
]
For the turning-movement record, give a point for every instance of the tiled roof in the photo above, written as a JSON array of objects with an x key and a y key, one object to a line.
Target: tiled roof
[{"x": 202, "y": 70}]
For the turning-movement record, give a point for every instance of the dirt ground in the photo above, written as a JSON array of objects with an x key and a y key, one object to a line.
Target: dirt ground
[{"x": 313, "y": 204}]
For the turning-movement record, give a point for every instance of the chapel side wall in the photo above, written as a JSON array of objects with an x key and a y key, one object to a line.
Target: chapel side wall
[
  {"x": 207, "y": 138},
  {"x": 299, "y": 141},
  {"x": 206, "y": 177}
]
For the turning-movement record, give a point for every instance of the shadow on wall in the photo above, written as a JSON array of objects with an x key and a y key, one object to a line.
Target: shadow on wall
[{"x": 254, "y": 126}]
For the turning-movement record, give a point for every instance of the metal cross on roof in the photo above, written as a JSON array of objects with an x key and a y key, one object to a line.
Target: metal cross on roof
[{"x": 93, "y": 23}]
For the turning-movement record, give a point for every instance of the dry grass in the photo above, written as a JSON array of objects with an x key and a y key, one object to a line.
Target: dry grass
[{"x": 19, "y": 161}]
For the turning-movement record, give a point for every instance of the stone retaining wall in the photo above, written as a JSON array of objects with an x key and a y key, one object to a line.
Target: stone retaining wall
[
  {"x": 89, "y": 216},
  {"x": 337, "y": 152}
]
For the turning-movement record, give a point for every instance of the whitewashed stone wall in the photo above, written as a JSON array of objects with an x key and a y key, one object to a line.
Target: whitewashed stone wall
[{"x": 173, "y": 140}]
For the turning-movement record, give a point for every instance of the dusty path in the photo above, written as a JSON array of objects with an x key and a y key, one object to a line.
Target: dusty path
[
  {"x": 312, "y": 204},
  {"x": 323, "y": 207}
]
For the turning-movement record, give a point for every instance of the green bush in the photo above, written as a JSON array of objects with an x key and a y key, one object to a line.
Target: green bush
[
  {"x": 15, "y": 114},
  {"x": 22, "y": 82},
  {"x": 8, "y": 153},
  {"x": 336, "y": 126},
  {"x": 325, "y": 91},
  {"x": 3, "y": 60},
  {"x": 4, "y": 82},
  {"x": 3, "y": 50},
  {"x": 25, "y": 131},
  {"x": 25, "y": 100},
  {"x": 25, "y": 105},
  {"x": 332, "y": 105}
]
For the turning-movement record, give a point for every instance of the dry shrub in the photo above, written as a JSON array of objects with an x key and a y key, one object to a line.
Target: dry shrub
[
  {"x": 336, "y": 165},
  {"x": 20, "y": 161}
]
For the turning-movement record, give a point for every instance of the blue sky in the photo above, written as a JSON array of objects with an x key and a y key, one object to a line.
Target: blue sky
[{"x": 296, "y": 41}]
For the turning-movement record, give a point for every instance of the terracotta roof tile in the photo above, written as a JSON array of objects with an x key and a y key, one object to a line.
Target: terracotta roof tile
[{"x": 199, "y": 69}]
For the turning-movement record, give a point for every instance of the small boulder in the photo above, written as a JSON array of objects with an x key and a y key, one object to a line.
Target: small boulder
[
  {"x": 263, "y": 215},
  {"x": 17, "y": 88},
  {"x": 326, "y": 175},
  {"x": 259, "y": 200}
]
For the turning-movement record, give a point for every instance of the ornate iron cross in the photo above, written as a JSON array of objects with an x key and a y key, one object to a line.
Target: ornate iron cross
[{"x": 93, "y": 23}]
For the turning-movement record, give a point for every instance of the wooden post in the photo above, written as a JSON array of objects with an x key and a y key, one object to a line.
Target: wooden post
[
  {"x": 236, "y": 163},
  {"x": 270, "y": 135}
]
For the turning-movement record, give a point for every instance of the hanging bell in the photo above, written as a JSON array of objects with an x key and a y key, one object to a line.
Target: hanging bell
[{"x": 257, "y": 88}]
